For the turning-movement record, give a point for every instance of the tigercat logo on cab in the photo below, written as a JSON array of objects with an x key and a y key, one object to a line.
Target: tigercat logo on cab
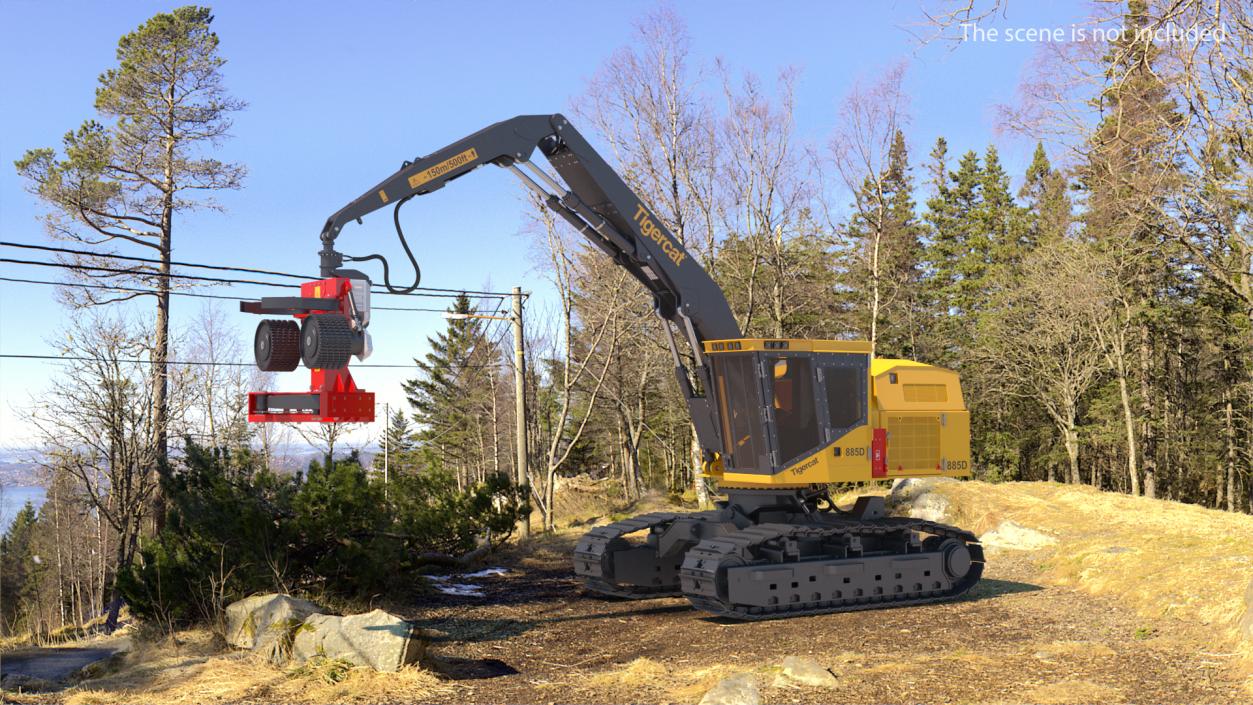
[
  {"x": 805, "y": 465},
  {"x": 657, "y": 235}
]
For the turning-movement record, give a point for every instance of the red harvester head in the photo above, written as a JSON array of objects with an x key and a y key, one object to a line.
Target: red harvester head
[{"x": 334, "y": 314}]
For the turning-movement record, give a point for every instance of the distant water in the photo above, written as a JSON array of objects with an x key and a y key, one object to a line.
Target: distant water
[{"x": 13, "y": 497}]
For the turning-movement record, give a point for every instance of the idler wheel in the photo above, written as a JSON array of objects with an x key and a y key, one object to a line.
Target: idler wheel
[
  {"x": 276, "y": 345},
  {"x": 956, "y": 558},
  {"x": 326, "y": 341}
]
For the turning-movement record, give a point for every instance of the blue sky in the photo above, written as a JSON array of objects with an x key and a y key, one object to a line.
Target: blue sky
[{"x": 340, "y": 93}]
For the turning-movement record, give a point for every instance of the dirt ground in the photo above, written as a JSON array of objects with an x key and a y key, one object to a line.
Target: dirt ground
[
  {"x": 534, "y": 637},
  {"x": 1042, "y": 627}
]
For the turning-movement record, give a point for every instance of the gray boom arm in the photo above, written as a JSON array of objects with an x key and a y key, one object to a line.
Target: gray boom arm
[{"x": 599, "y": 205}]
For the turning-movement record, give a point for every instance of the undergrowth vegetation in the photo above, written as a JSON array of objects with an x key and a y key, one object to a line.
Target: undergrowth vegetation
[{"x": 233, "y": 528}]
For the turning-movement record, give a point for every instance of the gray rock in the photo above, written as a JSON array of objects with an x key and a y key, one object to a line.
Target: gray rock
[
  {"x": 739, "y": 689},
  {"x": 805, "y": 671},
  {"x": 914, "y": 497},
  {"x": 376, "y": 639},
  {"x": 1007, "y": 534},
  {"x": 1246, "y": 624},
  {"x": 266, "y": 624}
]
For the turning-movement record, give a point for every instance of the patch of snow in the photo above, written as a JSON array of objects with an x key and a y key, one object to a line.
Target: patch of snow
[
  {"x": 459, "y": 589},
  {"x": 487, "y": 572}
]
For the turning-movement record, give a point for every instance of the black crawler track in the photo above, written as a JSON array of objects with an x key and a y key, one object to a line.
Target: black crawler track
[
  {"x": 703, "y": 574},
  {"x": 593, "y": 557}
]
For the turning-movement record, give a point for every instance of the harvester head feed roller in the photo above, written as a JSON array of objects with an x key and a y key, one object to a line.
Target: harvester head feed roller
[
  {"x": 276, "y": 345},
  {"x": 327, "y": 341}
]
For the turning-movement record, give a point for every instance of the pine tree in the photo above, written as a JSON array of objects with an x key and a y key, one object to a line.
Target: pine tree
[
  {"x": 1127, "y": 179},
  {"x": 443, "y": 395},
  {"x": 1001, "y": 219},
  {"x": 955, "y": 256},
  {"x": 18, "y": 573},
  {"x": 1046, "y": 203},
  {"x": 401, "y": 444}
]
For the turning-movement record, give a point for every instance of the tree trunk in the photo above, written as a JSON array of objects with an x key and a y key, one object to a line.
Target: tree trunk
[
  {"x": 1071, "y": 440},
  {"x": 1133, "y": 471},
  {"x": 1231, "y": 453},
  {"x": 1146, "y": 415}
]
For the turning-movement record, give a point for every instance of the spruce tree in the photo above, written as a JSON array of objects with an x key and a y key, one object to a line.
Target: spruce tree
[
  {"x": 401, "y": 444},
  {"x": 1128, "y": 179},
  {"x": 442, "y": 394},
  {"x": 1046, "y": 203},
  {"x": 16, "y": 578}
]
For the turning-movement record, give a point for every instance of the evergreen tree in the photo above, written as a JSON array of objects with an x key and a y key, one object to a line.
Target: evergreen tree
[
  {"x": 444, "y": 394},
  {"x": 401, "y": 444},
  {"x": 1001, "y": 219},
  {"x": 19, "y": 566},
  {"x": 1128, "y": 179},
  {"x": 885, "y": 274},
  {"x": 1046, "y": 203},
  {"x": 956, "y": 255}
]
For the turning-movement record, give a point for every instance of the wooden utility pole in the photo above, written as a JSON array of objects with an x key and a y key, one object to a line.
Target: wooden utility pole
[
  {"x": 387, "y": 420},
  {"x": 519, "y": 393}
]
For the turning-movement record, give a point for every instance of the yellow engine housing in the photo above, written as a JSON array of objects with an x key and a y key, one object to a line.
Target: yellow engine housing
[{"x": 801, "y": 412}]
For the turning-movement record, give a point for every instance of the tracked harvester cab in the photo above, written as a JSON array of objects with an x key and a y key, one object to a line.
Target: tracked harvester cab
[
  {"x": 814, "y": 412},
  {"x": 778, "y": 420}
]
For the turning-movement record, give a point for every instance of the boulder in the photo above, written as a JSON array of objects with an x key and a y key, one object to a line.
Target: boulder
[
  {"x": 739, "y": 689},
  {"x": 266, "y": 624},
  {"x": 914, "y": 497},
  {"x": 1007, "y": 534},
  {"x": 376, "y": 639},
  {"x": 805, "y": 671},
  {"x": 1246, "y": 624}
]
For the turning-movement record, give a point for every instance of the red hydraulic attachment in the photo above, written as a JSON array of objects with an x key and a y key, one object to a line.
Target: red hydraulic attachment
[{"x": 333, "y": 397}]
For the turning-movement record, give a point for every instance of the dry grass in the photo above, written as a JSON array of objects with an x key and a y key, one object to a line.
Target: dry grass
[
  {"x": 195, "y": 670},
  {"x": 1160, "y": 558},
  {"x": 1157, "y": 557},
  {"x": 673, "y": 682},
  {"x": 1072, "y": 691}
]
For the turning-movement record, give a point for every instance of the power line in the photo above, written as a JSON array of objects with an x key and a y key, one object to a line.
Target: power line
[
  {"x": 201, "y": 363},
  {"x": 225, "y": 268},
  {"x": 190, "y": 293},
  {"x": 216, "y": 280}
]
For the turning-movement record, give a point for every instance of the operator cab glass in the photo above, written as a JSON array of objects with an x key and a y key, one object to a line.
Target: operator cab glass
[
  {"x": 739, "y": 400},
  {"x": 777, "y": 408}
]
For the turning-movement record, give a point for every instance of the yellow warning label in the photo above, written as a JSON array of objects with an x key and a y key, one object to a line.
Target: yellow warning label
[
  {"x": 383, "y": 195},
  {"x": 443, "y": 167}
]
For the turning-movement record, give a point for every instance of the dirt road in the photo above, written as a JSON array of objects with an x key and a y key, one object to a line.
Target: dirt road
[{"x": 534, "y": 637}]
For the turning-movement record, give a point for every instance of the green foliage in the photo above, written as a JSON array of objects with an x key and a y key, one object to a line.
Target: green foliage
[
  {"x": 235, "y": 529},
  {"x": 19, "y": 572},
  {"x": 125, "y": 174},
  {"x": 450, "y": 389}
]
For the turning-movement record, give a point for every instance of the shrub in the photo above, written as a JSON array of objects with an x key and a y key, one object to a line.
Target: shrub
[{"x": 233, "y": 529}]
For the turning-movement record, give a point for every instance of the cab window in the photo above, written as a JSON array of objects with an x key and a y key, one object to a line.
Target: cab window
[
  {"x": 844, "y": 381},
  {"x": 743, "y": 437},
  {"x": 791, "y": 381}
]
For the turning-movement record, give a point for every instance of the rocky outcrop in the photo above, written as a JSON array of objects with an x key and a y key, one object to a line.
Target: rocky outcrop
[
  {"x": 798, "y": 670},
  {"x": 266, "y": 624},
  {"x": 1246, "y": 624},
  {"x": 739, "y": 689},
  {"x": 1007, "y": 534},
  {"x": 914, "y": 497},
  {"x": 376, "y": 639}
]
